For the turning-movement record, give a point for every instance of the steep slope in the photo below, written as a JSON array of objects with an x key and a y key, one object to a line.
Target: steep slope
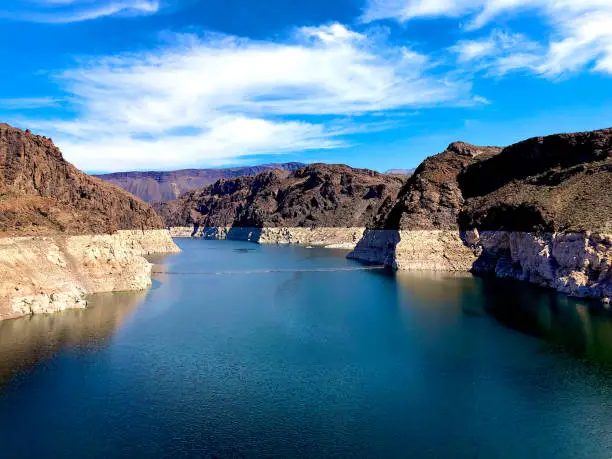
[
  {"x": 41, "y": 193},
  {"x": 554, "y": 183},
  {"x": 162, "y": 186},
  {"x": 63, "y": 234},
  {"x": 313, "y": 197},
  {"x": 539, "y": 210},
  {"x": 432, "y": 198}
]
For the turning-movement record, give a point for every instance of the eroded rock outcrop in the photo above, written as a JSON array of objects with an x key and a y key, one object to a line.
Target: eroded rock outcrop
[
  {"x": 539, "y": 210},
  {"x": 41, "y": 193},
  {"x": 53, "y": 273},
  {"x": 64, "y": 234}
]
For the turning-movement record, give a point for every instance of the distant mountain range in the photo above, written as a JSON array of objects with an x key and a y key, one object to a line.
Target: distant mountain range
[
  {"x": 168, "y": 185},
  {"x": 320, "y": 195},
  {"x": 400, "y": 171}
]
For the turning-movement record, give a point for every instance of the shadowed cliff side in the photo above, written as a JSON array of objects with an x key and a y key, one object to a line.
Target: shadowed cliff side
[{"x": 555, "y": 183}]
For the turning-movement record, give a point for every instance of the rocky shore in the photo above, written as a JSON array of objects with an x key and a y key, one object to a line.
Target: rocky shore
[
  {"x": 54, "y": 273},
  {"x": 64, "y": 234},
  {"x": 577, "y": 264},
  {"x": 539, "y": 211},
  {"x": 334, "y": 237}
]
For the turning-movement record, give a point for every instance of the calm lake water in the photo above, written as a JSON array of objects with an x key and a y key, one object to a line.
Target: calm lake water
[{"x": 250, "y": 351}]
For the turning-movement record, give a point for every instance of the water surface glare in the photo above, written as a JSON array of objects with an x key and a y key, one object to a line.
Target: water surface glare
[{"x": 242, "y": 350}]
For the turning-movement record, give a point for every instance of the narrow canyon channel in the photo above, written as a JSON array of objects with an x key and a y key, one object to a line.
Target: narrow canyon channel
[{"x": 245, "y": 350}]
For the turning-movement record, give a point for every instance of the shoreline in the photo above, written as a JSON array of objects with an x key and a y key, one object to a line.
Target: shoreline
[
  {"x": 578, "y": 264},
  {"x": 46, "y": 274}
]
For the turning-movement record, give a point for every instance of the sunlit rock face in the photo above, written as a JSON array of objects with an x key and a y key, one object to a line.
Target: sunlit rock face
[
  {"x": 538, "y": 211},
  {"x": 321, "y": 204},
  {"x": 54, "y": 273},
  {"x": 64, "y": 234}
]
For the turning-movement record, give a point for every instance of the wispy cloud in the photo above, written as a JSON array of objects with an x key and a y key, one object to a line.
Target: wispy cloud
[
  {"x": 26, "y": 103},
  {"x": 208, "y": 99},
  {"x": 580, "y": 37},
  {"x": 66, "y": 11},
  {"x": 498, "y": 53}
]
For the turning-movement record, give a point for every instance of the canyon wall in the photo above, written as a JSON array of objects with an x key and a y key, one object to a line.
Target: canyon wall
[
  {"x": 578, "y": 264},
  {"x": 159, "y": 186},
  {"x": 320, "y": 205},
  {"x": 539, "y": 211}
]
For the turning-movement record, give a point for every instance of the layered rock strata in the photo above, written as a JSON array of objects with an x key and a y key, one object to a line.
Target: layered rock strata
[{"x": 340, "y": 238}]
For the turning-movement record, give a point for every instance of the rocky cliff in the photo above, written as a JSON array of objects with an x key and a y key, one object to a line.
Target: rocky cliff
[
  {"x": 155, "y": 186},
  {"x": 539, "y": 210},
  {"x": 297, "y": 205},
  {"x": 64, "y": 234},
  {"x": 41, "y": 193}
]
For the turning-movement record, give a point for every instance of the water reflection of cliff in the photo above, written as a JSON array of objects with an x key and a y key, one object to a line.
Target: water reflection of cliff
[
  {"x": 26, "y": 341},
  {"x": 581, "y": 327}
]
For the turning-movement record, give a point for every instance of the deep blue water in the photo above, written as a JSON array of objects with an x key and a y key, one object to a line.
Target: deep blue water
[{"x": 246, "y": 351}]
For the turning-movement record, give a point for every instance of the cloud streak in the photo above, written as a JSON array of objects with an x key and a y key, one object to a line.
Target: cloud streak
[
  {"x": 210, "y": 99},
  {"x": 68, "y": 11}
]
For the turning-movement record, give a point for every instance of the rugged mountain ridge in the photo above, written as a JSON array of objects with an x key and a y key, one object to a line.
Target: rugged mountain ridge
[
  {"x": 155, "y": 186},
  {"x": 539, "y": 210},
  {"x": 321, "y": 195},
  {"x": 63, "y": 234},
  {"x": 313, "y": 197}
]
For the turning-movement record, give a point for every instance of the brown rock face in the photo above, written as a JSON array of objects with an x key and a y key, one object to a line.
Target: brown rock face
[
  {"x": 318, "y": 195},
  {"x": 431, "y": 198},
  {"x": 41, "y": 193},
  {"x": 554, "y": 183},
  {"x": 163, "y": 186}
]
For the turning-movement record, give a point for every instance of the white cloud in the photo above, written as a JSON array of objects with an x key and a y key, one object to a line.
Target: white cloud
[
  {"x": 66, "y": 11},
  {"x": 211, "y": 99},
  {"x": 498, "y": 53},
  {"x": 581, "y": 30}
]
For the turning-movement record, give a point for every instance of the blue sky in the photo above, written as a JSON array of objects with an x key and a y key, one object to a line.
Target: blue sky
[{"x": 166, "y": 84}]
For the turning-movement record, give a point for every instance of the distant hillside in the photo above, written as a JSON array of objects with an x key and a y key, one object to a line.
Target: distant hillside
[
  {"x": 318, "y": 195},
  {"x": 168, "y": 185},
  {"x": 400, "y": 171}
]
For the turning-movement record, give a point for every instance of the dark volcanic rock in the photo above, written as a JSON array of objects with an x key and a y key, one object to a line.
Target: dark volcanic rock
[
  {"x": 163, "y": 186},
  {"x": 318, "y": 195},
  {"x": 41, "y": 193}
]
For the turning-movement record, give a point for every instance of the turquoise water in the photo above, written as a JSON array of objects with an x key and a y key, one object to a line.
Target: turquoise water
[{"x": 243, "y": 350}]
